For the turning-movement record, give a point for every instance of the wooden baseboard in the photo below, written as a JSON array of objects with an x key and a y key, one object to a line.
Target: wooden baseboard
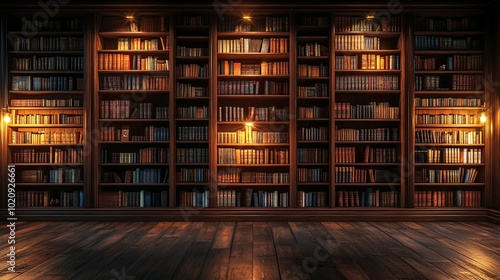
[{"x": 252, "y": 214}]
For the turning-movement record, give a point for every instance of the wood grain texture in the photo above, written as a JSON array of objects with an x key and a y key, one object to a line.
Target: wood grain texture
[{"x": 256, "y": 250}]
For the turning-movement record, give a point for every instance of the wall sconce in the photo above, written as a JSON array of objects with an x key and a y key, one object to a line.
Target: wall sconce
[
  {"x": 6, "y": 115},
  {"x": 484, "y": 114}
]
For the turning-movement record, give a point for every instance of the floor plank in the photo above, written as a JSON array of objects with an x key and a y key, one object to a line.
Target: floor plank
[{"x": 255, "y": 250}]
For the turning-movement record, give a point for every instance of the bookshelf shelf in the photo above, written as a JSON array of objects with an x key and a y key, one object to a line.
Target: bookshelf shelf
[
  {"x": 145, "y": 34},
  {"x": 441, "y": 52}
]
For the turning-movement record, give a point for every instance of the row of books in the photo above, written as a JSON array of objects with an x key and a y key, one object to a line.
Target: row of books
[
  {"x": 350, "y": 174},
  {"x": 264, "y": 24},
  {"x": 381, "y": 23},
  {"x": 192, "y": 133},
  {"x": 143, "y": 155},
  {"x": 188, "y": 90},
  {"x": 448, "y": 102},
  {"x": 304, "y": 70},
  {"x": 312, "y": 49},
  {"x": 54, "y": 155},
  {"x": 35, "y": 102},
  {"x": 119, "y": 61},
  {"x": 367, "y": 82},
  {"x": 460, "y": 175},
  {"x": 236, "y": 175},
  {"x": 136, "y": 176},
  {"x": 49, "y": 198},
  {"x": 59, "y": 175},
  {"x": 427, "y": 42},
  {"x": 445, "y": 136},
  {"x": 253, "y": 45},
  {"x": 449, "y": 155},
  {"x": 44, "y": 43},
  {"x": 46, "y": 118},
  {"x": 359, "y": 42},
  {"x": 235, "y": 114},
  {"x": 312, "y": 175},
  {"x": 367, "y": 62},
  {"x": 455, "y": 62},
  {"x": 314, "y": 112},
  {"x": 151, "y": 133},
  {"x": 55, "y": 83},
  {"x": 313, "y": 134},
  {"x": 249, "y": 136},
  {"x": 318, "y": 90},
  {"x": 191, "y": 155},
  {"x": 150, "y": 44},
  {"x": 231, "y": 67},
  {"x": 142, "y": 198},
  {"x": 312, "y": 155},
  {"x": 252, "y": 88},
  {"x": 192, "y": 20},
  {"x": 48, "y": 63},
  {"x": 191, "y": 70},
  {"x": 47, "y": 136},
  {"x": 261, "y": 198},
  {"x": 252, "y": 156},
  {"x": 372, "y": 110},
  {"x": 446, "y": 24},
  {"x": 312, "y": 199},
  {"x": 194, "y": 199},
  {"x": 370, "y": 155},
  {"x": 192, "y": 175},
  {"x": 191, "y": 51},
  {"x": 316, "y": 20},
  {"x": 67, "y": 24},
  {"x": 367, "y": 134},
  {"x": 134, "y": 82},
  {"x": 457, "y": 82},
  {"x": 192, "y": 112},
  {"x": 367, "y": 198},
  {"x": 456, "y": 198},
  {"x": 447, "y": 119}
]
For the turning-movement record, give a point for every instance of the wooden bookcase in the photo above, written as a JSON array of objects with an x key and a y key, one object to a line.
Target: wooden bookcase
[
  {"x": 261, "y": 110},
  {"x": 253, "y": 110},
  {"x": 192, "y": 111},
  {"x": 46, "y": 100},
  {"x": 448, "y": 98},
  {"x": 132, "y": 110},
  {"x": 314, "y": 136},
  {"x": 367, "y": 116}
]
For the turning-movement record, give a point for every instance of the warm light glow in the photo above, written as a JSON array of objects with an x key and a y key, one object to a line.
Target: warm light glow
[
  {"x": 6, "y": 118},
  {"x": 129, "y": 17},
  {"x": 482, "y": 118},
  {"x": 250, "y": 124},
  {"x": 247, "y": 17},
  {"x": 370, "y": 17}
]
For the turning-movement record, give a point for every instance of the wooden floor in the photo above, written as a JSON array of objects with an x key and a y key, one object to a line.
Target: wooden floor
[{"x": 246, "y": 250}]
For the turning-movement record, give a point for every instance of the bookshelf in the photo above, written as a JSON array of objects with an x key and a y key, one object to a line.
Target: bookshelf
[
  {"x": 314, "y": 111},
  {"x": 448, "y": 97},
  {"x": 265, "y": 111},
  {"x": 253, "y": 101},
  {"x": 46, "y": 99},
  {"x": 132, "y": 82},
  {"x": 367, "y": 121},
  {"x": 192, "y": 111}
]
